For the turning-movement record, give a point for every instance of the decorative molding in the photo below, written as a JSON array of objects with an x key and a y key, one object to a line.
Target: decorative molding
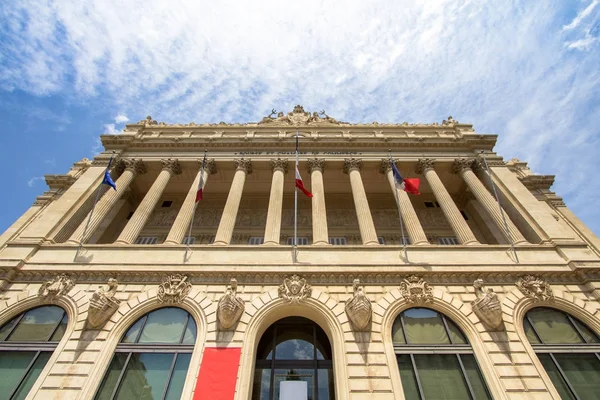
[
  {"x": 543, "y": 182},
  {"x": 59, "y": 286},
  {"x": 487, "y": 306},
  {"x": 103, "y": 305},
  {"x": 462, "y": 164},
  {"x": 316, "y": 164},
  {"x": 351, "y": 164},
  {"x": 294, "y": 289},
  {"x": 424, "y": 164},
  {"x": 59, "y": 181},
  {"x": 385, "y": 166},
  {"x": 358, "y": 308},
  {"x": 279, "y": 163},
  {"x": 416, "y": 290},
  {"x": 299, "y": 117},
  {"x": 230, "y": 307},
  {"x": 174, "y": 289},
  {"x": 243, "y": 164},
  {"x": 535, "y": 288},
  {"x": 171, "y": 165},
  {"x": 135, "y": 165},
  {"x": 211, "y": 166}
]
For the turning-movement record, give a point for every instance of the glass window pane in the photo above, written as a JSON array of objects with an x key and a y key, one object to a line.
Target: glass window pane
[
  {"x": 178, "y": 377},
  {"x": 326, "y": 384},
  {"x": 190, "y": 332},
  {"x": 475, "y": 378},
  {"x": 132, "y": 333},
  {"x": 265, "y": 346},
  {"x": 553, "y": 326},
  {"x": 37, "y": 324},
  {"x": 112, "y": 376},
  {"x": 583, "y": 373},
  {"x": 397, "y": 332},
  {"x": 424, "y": 326},
  {"x": 587, "y": 333},
  {"x": 294, "y": 374},
  {"x": 13, "y": 365},
  {"x": 407, "y": 375},
  {"x": 262, "y": 384},
  {"x": 60, "y": 330},
  {"x": 294, "y": 342},
  {"x": 531, "y": 336},
  {"x": 455, "y": 333},
  {"x": 164, "y": 325},
  {"x": 441, "y": 377},
  {"x": 323, "y": 346},
  {"x": 146, "y": 376},
  {"x": 6, "y": 328},
  {"x": 32, "y": 376},
  {"x": 557, "y": 380}
]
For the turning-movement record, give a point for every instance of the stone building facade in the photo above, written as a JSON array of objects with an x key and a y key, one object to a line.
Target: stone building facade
[{"x": 484, "y": 301}]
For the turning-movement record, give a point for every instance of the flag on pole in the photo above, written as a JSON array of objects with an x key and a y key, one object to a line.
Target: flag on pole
[
  {"x": 201, "y": 183},
  {"x": 409, "y": 185},
  {"x": 300, "y": 184},
  {"x": 107, "y": 178}
]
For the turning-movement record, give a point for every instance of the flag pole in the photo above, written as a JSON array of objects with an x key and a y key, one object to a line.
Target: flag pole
[
  {"x": 512, "y": 244},
  {"x": 187, "y": 245},
  {"x": 295, "y": 258},
  {"x": 87, "y": 224},
  {"x": 399, "y": 213}
]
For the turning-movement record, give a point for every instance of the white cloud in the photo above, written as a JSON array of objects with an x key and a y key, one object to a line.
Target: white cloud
[
  {"x": 31, "y": 182},
  {"x": 581, "y": 16},
  {"x": 121, "y": 118},
  {"x": 109, "y": 129}
]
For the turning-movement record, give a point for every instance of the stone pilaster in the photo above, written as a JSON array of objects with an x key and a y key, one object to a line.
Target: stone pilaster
[
  {"x": 273, "y": 225},
  {"x": 460, "y": 227},
  {"x": 132, "y": 168},
  {"x": 142, "y": 212},
  {"x": 463, "y": 167},
  {"x": 225, "y": 230},
  {"x": 363, "y": 212},
  {"x": 407, "y": 211},
  {"x": 319, "y": 211}
]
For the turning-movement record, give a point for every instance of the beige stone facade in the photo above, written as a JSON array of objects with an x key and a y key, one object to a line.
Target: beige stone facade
[{"x": 243, "y": 229}]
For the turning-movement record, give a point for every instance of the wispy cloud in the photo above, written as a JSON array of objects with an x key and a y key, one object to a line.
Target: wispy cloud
[
  {"x": 121, "y": 119},
  {"x": 581, "y": 16},
  {"x": 109, "y": 129},
  {"x": 32, "y": 182}
]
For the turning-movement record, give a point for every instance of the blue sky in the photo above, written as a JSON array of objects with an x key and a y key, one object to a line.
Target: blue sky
[{"x": 528, "y": 71}]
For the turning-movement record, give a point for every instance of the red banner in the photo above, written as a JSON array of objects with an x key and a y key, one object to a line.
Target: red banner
[{"x": 218, "y": 373}]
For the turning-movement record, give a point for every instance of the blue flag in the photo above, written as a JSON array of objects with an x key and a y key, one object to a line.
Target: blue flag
[{"x": 108, "y": 180}]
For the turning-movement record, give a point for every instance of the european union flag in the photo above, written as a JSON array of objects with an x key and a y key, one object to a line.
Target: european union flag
[{"x": 108, "y": 180}]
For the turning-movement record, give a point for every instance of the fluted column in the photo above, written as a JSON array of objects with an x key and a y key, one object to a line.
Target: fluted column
[
  {"x": 463, "y": 167},
  {"x": 184, "y": 216},
  {"x": 132, "y": 169},
  {"x": 407, "y": 211},
  {"x": 457, "y": 222},
  {"x": 225, "y": 230},
  {"x": 142, "y": 212},
  {"x": 273, "y": 226},
  {"x": 363, "y": 212},
  {"x": 319, "y": 212}
]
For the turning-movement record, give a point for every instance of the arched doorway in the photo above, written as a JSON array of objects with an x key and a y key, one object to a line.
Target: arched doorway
[{"x": 293, "y": 349}]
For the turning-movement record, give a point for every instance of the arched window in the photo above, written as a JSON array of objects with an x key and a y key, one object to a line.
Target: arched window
[
  {"x": 568, "y": 350},
  {"x": 152, "y": 359},
  {"x": 435, "y": 358},
  {"x": 293, "y": 349},
  {"x": 26, "y": 343}
]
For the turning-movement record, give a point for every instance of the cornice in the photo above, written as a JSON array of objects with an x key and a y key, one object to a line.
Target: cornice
[
  {"x": 59, "y": 181},
  {"x": 543, "y": 182}
]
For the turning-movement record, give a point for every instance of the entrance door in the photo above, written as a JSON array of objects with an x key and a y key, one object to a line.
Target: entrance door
[{"x": 293, "y": 349}]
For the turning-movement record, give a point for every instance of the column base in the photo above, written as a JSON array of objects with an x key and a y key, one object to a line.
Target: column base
[
  {"x": 371, "y": 243},
  {"x": 171, "y": 243},
  {"x": 422, "y": 243},
  {"x": 321, "y": 243},
  {"x": 121, "y": 241},
  {"x": 220, "y": 243},
  {"x": 270, "y": 243},
  {"x": 470, "y": 243},
  {"x": 521, "y": 243},
  {"x": 72, "y": 241}
]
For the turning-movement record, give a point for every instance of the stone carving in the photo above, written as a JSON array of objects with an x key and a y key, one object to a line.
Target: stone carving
[
  {"x": 174, "y": 289},
  {"x": 136, "y": 166},
  {"x": 294, "y": 289},
  {"x": 352, "y": 163},
  {"x": 59, "y": 286},
  {"x": 358, "y": 308},
  {"x": 384, "y": 166},
  {"x": 163, "y": 217},
  {"x": 148, "y": 121},
  {"x": 487, "y": 306},
  {"x": 243, "y": 164},
  {"x": 535, "y": 288},
  {"x": 278, "y": 163},
  {"x": 230, "y": 307},
  {"x": 210, "y": 167},
  {"x": 172, "y": 165},
  {"x": 449, "y": 121},
  {"x": 424, "y": 164},
  {"x": 103, "y": 305},
  {"x": 416, "y": 290},
  {"x": 316, "y": 164},
  {"x": 432, "y": 218},
  {"x": 299, "y": 116},
  {"x": 462, "y": 164}
]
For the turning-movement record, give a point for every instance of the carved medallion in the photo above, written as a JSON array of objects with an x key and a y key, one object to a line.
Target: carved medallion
[
  {"x": 294, "y": 289},
  {"x": 174, "y": 289},
  {"x": 103, "y": 305},
  {"x": 230, "y": 307},
  {"x": 487, "y": 306},
  {"x": 416, "y": 290},
  {"x": 358, "y": 308},
  {"x": 59, "y": 286},
  {"x": 535, "y": 288}
]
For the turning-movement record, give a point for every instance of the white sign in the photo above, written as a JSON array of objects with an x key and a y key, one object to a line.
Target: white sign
[{"x": 293, "y": 390}]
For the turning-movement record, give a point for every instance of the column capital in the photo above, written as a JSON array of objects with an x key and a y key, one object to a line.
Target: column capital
[
  {"x": 243, "y": 164},
  {"x": 462, "y": 164},
  {"x": 171, "y": 165},
  {"x": 278, "y": 163},
  {"x": 385, "y": 166},
  {"x": 316, "y": 164},
  {"x": 137, "y": 166},
  {"x": 424, "y": 164},
  {"x": 210, "y": 167},
  {"x": 351, "y": 164}
]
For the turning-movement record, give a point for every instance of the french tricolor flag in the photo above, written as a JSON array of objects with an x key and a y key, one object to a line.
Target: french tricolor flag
[
  {"x": 300, "y": 184},
  {"x": 201, "y": 183},
  {"x": 409, "y": 185}
]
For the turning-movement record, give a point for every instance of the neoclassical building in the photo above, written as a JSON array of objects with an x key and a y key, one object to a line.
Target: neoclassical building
[{"x": 484, "y": 286}]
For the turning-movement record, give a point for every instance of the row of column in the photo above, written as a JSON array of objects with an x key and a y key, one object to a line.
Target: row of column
[{"x": 352, "y": 166}]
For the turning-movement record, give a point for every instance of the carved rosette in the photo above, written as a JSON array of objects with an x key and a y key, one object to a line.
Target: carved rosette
[
  {"x": 243, "y": 165},
  {"x": 135, "y": 165},
  {"x": 358, "y": 308},
  {"x": 230, "y": 307},
  {"x": 103, "y": 305},
  {"x": 171, "y": 165},
  {"x": 424, "y": 164},
  {"x": 174, "y": 289},
  {"x": 351, "y": 164},
  {"x": 462, "y": 164},
  {"x": 278, "y": 163},
  {"x": 535, "y": 288},
  {"x": 487, "y": 306},
  {"x": 416, "y": 290},
  {"x": 59, "y": 286},
  {"x": 316, "y": 164},
  {"x": 294, "y": 289}
]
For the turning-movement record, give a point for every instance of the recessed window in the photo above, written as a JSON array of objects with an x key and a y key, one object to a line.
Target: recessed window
[
  {"x": 338, "y": 241},
  {"x": 189, "y": 240},
  {"x": 447, "y": 240},
  {"x": 301, "y": 241},
  {"x": 146, "y": 240},
  {"x": 256, "y": 240},
  {"x": 380, "y": 239},
  {"x": 167, "y": 203}
]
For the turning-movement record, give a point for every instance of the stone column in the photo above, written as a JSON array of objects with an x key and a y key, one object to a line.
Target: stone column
[
  {"x": 409, "y": 216},
  {"x": 132, "y": 168},
  {"x": 142, "y": 212},
  {"x": 182, "y": 222},
  {"x": 319, "y": 212},
  {"x": 273, "y": 226},
  {"x": 457, "y": 222},
  {"x": 363, "y": 212},
  {"x": 463, "y": 167},
  {"x": 225, "y": 230}
]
